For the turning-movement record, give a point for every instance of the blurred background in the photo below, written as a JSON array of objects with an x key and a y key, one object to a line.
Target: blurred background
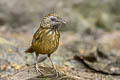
[
  {"x": 91, "y": 25},
  {"x": 80, "y": 14}
]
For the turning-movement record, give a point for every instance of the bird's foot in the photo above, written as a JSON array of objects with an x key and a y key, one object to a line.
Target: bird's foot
[
  {"x": 56, "y": 72},
  {"x": 38, "y": 70}
]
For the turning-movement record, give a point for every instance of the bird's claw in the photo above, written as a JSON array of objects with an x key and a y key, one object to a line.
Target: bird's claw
[
  {"x": 38, "y": 70},
  {"x": 56, "y": 72}
]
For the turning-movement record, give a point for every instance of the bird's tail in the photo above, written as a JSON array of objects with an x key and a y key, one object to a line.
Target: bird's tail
[{"x": 29, "y": 50}]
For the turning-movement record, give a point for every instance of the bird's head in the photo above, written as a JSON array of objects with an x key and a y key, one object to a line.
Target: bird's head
[{"x": 52, "y": 21}]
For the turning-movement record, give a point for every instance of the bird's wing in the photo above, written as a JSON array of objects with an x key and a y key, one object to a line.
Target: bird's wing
[{"x": 37, "y": 35}]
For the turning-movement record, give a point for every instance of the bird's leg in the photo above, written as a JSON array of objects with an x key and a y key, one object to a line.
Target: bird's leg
[
  {"x": 37, "y": 66},
  {"x": 54, "y": 68}
]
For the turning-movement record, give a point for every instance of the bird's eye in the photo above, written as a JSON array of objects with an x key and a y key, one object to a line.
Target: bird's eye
[{"x": 53, "y": 19}]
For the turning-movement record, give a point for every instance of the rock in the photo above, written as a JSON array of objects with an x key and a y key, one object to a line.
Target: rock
[
  {"x": 105, "y": 56},
  {"x": 31, "y": 74}
]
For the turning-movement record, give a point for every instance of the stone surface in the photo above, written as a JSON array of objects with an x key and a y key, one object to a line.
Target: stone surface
[{"x": 104, "y": 56}]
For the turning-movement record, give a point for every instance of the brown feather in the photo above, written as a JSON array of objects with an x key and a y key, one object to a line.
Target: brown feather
[{"x": 29, "y": 50}]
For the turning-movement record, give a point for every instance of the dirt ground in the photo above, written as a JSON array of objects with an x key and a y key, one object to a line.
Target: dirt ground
[{"x": 15, "y": 64}]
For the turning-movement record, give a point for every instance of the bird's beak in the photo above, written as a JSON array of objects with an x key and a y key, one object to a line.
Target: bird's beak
[{"x": 63, "y": 21}]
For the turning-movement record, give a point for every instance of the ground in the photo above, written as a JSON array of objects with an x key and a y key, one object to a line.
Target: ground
[{"x": 16, "y": 64}]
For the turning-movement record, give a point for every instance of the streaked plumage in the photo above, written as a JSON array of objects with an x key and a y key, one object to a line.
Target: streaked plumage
[
  {"x": 46, "y": 38},
  {"x": 49, "y": 39}
]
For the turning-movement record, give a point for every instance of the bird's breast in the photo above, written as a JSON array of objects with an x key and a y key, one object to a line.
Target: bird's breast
[{"x": 47, "y": 42}]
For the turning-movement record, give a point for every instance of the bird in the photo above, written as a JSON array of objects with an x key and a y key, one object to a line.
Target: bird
[{"x": 46, "y": 39}]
